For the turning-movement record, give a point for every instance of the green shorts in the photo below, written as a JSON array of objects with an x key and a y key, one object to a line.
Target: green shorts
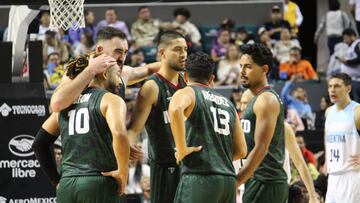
[
  {"x": 195, "y": 188},
  {"x": 261, "y": 192},
  {"x": 164, "y": 179},
  {"x": 89, "y": 189}
]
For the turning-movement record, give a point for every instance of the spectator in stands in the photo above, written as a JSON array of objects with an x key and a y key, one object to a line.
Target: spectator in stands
[
  {"x": 75, "y": 35},
  {"x": 192, "y": 47},
  {"x": 243, "y": 37},
  {"x": 297, "y": 66},
  {"x": 137, "y": 58},
  {"x": 228, "y": 72},
  {"x": 334, "y": 66},
  {"x": 297, "y": 100},
  {"x": 137, "y": 173},
  {"x": 293, "y": 15},
  {"x": 236, "y": 98},
  {"x": 111, "y": 20},
  {"x": 308, "y": 155},
  {"x": 53, "y": 44},
  {"x": 228, "y": 24},
  {"x": 44, "y": 24},
  {"x": 276, "y": 23},
  {"x": 86, "y": 44},
  {"x": 264, "y": 38},
  {"x": 351, "y": 62},
  {"x": 320, "y": 115},
  {"x": 355, "y": 11},
  {"x": 335, "y": 21},
  {"x": 145, "y": 29},
  {"x": 182, "y": 16},
  {"x": 220, "y": 46},
  {"x": 55, "y": 70},
  {"x": 283, "y": 46}
]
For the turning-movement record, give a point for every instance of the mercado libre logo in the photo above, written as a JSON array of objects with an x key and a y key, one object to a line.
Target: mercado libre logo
[{"x": 21, "y": 145}]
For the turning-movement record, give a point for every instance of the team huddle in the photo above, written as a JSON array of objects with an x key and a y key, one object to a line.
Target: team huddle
[{"x": 194, "y": 132}]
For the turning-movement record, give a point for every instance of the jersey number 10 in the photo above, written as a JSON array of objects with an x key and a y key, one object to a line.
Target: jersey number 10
[
  {"x": 223, "y": 128},
  {"x": 79, "y": 121}
]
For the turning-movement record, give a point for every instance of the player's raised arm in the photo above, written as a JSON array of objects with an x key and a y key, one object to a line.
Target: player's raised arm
[
  {"x": 134, "y": 75},
  {"x": 147, "y": 97},
  {"x": 45, "y": 137},
  {"x": 266, "y": 109},
  {"x": 114, "y": 110},
  {"x": 180, "y": 107},
  {"x": 69, "y": 90},
  {"x": 299, "y": 162},
  {"x": 239, "y": 143}
]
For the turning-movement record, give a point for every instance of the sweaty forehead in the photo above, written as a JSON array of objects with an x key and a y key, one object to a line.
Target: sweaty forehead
[{"x": 336, "y": 81}]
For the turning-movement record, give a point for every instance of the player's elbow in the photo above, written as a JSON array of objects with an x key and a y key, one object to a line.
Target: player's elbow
[
  {"x": 56, "y": 104},
  {"x": 241, "y": 153},
  {"x": 122, "y": 137}
]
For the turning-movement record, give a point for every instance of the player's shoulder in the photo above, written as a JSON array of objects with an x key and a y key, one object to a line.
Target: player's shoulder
[
  {"x": 110, "y": 98},
  {"x": 150, "y": 86}
]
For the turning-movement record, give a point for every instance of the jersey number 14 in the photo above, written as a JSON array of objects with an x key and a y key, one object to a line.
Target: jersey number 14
[{"x": 79, "y": 121}]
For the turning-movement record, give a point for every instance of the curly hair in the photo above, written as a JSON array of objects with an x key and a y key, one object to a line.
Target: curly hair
[
  {"x": 259, "y": 53},
  {"x": 199, "y": 67},
  {"x": 75, "y": 66}
]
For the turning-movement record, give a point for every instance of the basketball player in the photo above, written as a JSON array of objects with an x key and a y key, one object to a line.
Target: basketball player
[
  {"x": 201, "y": 116},
  {"x": 94, "y": 141},
  {"x": 342, "y": 142},
  {"x": 292, "y": 149},
  {"x": 109, "y": 41},
  {"x": 263, "y": 124},
  {"x": 151, "y": 110}
]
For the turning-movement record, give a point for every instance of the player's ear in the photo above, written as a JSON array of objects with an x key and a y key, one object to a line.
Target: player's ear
[
  {"x": 211, "y": 80},
  {"x": 349, "y": 88},
  {"x": 161, "y": 52},
  {"x": 99, "y": 49},
  {"x": 266, "y": 69}
]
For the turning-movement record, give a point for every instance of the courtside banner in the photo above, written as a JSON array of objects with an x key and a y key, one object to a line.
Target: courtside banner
[{"x": 21, "y": 179}]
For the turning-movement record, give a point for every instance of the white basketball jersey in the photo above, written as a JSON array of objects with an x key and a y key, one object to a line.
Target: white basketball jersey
[{"x": 342, "y": 138}]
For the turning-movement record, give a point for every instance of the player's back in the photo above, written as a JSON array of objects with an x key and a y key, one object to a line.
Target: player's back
[
  {"x": 210, "y": 125},
  {"x": 271, "y": 168},
  {"x": 161, "y": 142},
  {"x": 86, "y": 137},
  {"x": 342, "y": 138}
]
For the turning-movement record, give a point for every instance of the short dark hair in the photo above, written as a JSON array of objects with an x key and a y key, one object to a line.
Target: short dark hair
[
  {"x": 295, "y": 48},
  {"x": 51, "y": 54},
  {"x": 113, "y": 9},
  {"x": 141, "y": 8},
  {"x": 334, "y": 5},
  {"x": 199, "y": 67},
  {"x": 259, "y": 53},
  {"x": 344, "y": 77},
  {"x": 166, "y": 37},
  {"x": 349, "y": 32},
  {"x": 182, "y": 11},
  {"x": 107, "y": 33}
]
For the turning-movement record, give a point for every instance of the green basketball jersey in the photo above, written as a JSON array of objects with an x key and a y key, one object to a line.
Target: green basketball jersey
[
  {"x": 85, "y": 136},
  {"x": 271, "y": 168},
  {"x": 161, "y": 142},
  {"x": 210, "y": 125}
]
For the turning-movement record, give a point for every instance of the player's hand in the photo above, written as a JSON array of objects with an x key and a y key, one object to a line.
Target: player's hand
[
  {"x": 120, "y": 178},
  {"x": 135, "y": 153},
  {"x": 188, "y": 150},
  {"x": 100, "y": 63},
  {"x": 355, "y": 160}
]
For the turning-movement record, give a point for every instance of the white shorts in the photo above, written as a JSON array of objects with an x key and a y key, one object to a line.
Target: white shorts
[{"x": 344, "y": 188}]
